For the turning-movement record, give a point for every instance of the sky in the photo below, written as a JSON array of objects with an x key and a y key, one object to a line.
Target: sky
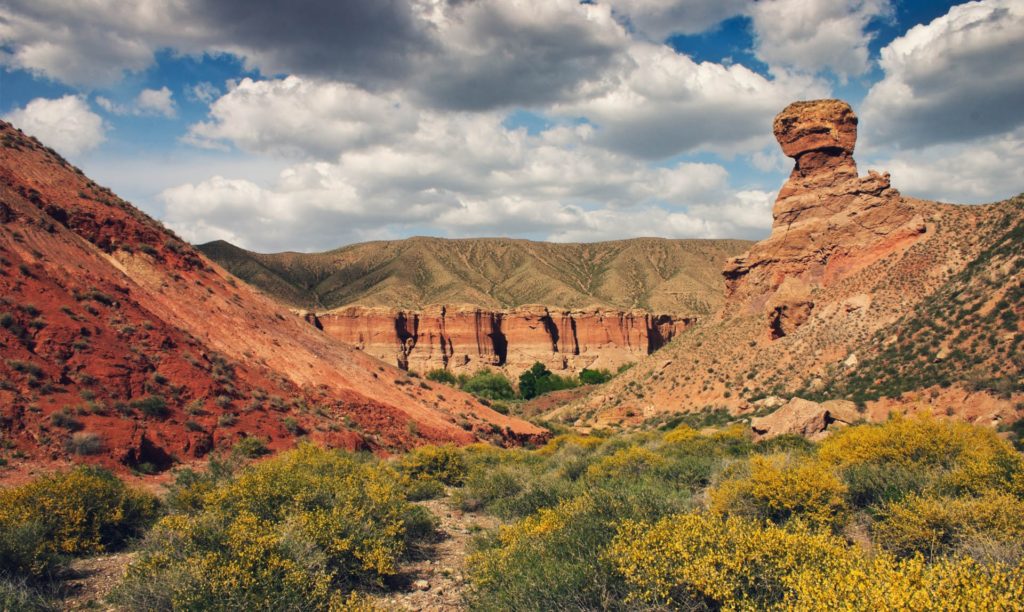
[{"x": 311, "y": 124}]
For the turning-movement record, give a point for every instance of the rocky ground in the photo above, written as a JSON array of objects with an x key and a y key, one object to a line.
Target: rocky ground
[{"x": 436, "y": 578}]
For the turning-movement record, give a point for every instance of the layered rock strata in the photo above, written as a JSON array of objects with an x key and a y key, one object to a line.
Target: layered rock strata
[
  {"x": 467, "y": 338},
  {"x": 828, "y": 222}
]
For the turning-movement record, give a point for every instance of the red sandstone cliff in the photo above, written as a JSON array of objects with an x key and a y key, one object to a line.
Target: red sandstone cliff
[{"x": 468, "y": 338}]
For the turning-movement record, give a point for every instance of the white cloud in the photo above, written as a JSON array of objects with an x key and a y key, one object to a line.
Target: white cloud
[
  {"x": 985, "y": 170},
  {"x": 954, "y": 79},
  {"x": 452, "y": 173},
  {"x": 667, "y": 104},
  {"x": 156, "y": 102},
  {"x": 204, "y": 92},
  {"x": 295, "y": 116},
  {"x": 815, "y": 35},
  {"x": 66, "y": 124}
]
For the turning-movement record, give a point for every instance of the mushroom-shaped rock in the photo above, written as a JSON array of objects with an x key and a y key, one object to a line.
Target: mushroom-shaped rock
[{"x": 816, "y": 125}]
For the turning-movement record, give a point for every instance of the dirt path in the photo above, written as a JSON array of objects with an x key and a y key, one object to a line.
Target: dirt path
[
  {"x": 436, "y": 578},
  {"x": 91, "y": 580}
]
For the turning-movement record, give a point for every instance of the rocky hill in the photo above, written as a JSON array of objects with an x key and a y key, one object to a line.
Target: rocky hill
[
  {"x": 426, "y": 303},
  {"x": 859, "y": 293},
  {"x": 680, "y": 277},
  {"x": 120, "y": 344}
]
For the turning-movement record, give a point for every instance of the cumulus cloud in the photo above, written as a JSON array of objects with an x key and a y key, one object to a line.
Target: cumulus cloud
[
  {"x": 67, "y": 124},
  {"x": 156, "y": 102},
  {"x": 816, "y": 35},
  {"x": 455, "y": 174},
  {"x": 159, "y": 102},
  {"x": 984, "y": 170},
  {"x": 302, "y": 117},
  {"x": 956, "y": 78},
  {"x": 666, "y": 104}
]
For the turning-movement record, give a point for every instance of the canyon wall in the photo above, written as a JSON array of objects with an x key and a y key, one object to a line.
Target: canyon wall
[{"x": 467, "y": 338}]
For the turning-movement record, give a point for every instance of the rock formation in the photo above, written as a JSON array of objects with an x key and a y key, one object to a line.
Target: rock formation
[
  {"x": 828, "y": 222},
  {"x": 467, "y": 338},
  {"x": 851, "y": 267},
  {"x": 806, "y": 418}
]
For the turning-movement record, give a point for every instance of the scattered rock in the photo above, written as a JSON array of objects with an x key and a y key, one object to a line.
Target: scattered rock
[{"x": 421, "y": 585}]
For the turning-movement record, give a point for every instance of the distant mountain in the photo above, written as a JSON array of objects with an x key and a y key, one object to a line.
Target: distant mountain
[
  {"x": 659, "y": 275},
  {"x": 122, "y": 345}
]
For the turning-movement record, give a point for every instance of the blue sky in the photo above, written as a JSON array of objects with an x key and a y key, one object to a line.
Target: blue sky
[{"x": 309, "y": 128}]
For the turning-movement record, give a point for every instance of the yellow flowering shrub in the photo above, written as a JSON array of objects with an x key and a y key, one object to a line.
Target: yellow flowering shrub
[
  {"x": 963, "y": 458},
  {"x": 777, "y": 489},
  {"x": 442, "y": 463},
  {"x": 987, "y": 526},
  {"x": 83, "y": 511},
  {"x": 701, "y": 560},
  {"x": 630, "y": 461},
  {"x": 682, "y": 433},
  {"x": 283, "y": 534},
  {"x": 858, "y": 583},
  {"x": 565, "y": 440}
]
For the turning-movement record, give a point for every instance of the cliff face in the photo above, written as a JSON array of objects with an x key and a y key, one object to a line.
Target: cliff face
[{"x": 467, "y": 338}]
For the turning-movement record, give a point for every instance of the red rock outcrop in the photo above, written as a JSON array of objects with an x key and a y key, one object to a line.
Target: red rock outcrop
[
  {"x": 114, "y": 329},
  {"x": 467, "y": 338},
  {"x": 829, "y": 223}
]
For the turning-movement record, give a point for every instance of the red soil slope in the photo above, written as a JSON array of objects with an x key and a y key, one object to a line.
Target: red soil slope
[{"x": 105, "y": 316}]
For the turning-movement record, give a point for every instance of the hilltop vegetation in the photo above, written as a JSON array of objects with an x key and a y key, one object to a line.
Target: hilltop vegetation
[
  {"x": 919, "y": 513},
  {"x": 968, "y": 331},
  {"x": 675, "y": 276}
]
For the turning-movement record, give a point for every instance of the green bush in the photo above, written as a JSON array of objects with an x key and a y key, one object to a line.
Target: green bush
[
  {"x": 296, "y": 532},
  {"x": 442, "y": 376},
  {"x": 538, "y": 380},
  {"x": 83, "y": 511},
  {"x": 446, "y": 464},
  {"x": 489, "y": 385}
]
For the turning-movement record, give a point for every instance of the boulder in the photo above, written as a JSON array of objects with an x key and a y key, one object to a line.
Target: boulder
[{"x": 812, "y": 420}]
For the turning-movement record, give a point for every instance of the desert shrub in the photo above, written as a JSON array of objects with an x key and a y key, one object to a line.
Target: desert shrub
[
  {"x": 958, "y": 457},
  {"x": 84, "y": 443},
  {"x": 419, "y": 490},
  {"x": 489, "y": 385},
  {"x": 295, "y": 532},
  {"x": 442, "y": 376},
  {"x": 776, "y": 489},
  {"x": 83, "y": 511},
  {"x": 705, "y": 562},
  {"x": 594, "y": 377},
  {"x": 250, "y": 448},
  {"x": 18, "y": 594},
  {"x": 554, "y": 559},
  {"x": 153, "y": 406},
  {"x": 872, "y": 483},
  {"x": 884, "y": 583},
  {"x": 445, "y": 464},
  {"x": 630, "y": 462},
  {"x": 63, "y": 418},
  {"x": 990, "y": 527},
  {"x": 695, "y": 561},
  {"x": 539, "y": 380},
  {"x": 680, "y": 434}
]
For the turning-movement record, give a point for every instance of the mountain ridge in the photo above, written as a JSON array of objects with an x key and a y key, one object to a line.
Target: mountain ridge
[{"x": 662, "y": 275}]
